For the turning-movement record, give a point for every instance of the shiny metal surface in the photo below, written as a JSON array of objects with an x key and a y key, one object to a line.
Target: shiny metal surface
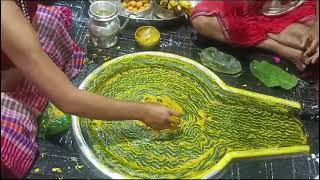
[
  {"x": 162, "y": 13},
  {"x": 104, "y": 28},
  {"x": 124, "y": 12},
  {"x": 81, "y": 145},
  {"x": 276, "y": 7},
  {"x": 153, "y": 14}
]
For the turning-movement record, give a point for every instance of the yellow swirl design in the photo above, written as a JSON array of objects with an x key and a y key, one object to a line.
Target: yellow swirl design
[{"x": 219, "y": 123}]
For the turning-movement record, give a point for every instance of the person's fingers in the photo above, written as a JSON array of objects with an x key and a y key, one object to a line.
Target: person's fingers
[
  {"x": 166, "y": 126},
  {"x": 306, "y": 42},
  {"x": 306, "y": 60},
  {"x": 162, "y": 126},
  {"x": 174, "y": 121},
  {"x": 153, "y": 125},
  {"x": 167, "y": 123},
  {"x": 272, "y": 36},
  {"x": 315, "y": 57},
  {"x": 301, "y": 66},
  {"x": 173, "y": 127},
  {"x": 174, "y": 113},
  {"x": 312, "y": 48}
]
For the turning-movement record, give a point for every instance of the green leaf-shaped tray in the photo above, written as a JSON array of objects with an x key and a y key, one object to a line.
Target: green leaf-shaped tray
[{"x": 219, "y": 122}]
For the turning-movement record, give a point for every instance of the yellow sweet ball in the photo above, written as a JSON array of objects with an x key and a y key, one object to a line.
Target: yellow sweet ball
[
  {"x": 133, "y": 3},
  {"x": 124, "y": 4},
  {"x": 130, "y": 8},
  {"x": 139, "y": 4},
  {"x": 142, "y": 8},
  {"x": 146, "y": 4}
]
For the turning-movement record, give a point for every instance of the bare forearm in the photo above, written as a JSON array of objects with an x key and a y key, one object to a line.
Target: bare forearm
[{"x": 90, "y": 105}]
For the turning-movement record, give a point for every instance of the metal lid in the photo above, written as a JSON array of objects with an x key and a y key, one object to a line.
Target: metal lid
[
  {"x": 103, "y": 11},
  {"x": 276, "y": 7}
]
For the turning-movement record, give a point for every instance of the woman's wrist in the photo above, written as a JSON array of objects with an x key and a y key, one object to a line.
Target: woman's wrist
[
  {"x": 107, "y": 108},
  {"x": 139, "y": 110}
]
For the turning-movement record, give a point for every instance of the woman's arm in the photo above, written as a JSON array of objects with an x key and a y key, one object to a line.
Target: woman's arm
[
  {"x": 19, "y": 41},
  {"x": 314, "y": 47},
  {"x": 312, "y": 38}
]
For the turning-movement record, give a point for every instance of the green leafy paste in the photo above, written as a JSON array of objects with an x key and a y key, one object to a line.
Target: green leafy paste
[
  {"x": 214, "y": 121},
  {"x": 53, "y": 122}
]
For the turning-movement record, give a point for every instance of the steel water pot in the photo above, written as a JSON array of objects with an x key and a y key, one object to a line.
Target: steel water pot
[{"x": 104, "y": 24}]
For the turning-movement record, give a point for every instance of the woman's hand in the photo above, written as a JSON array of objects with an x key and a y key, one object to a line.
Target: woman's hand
[
  {"x": 311, "y": 40},
  {"x": 315, "y": 57},
  {"x": 159, "y": 117}
]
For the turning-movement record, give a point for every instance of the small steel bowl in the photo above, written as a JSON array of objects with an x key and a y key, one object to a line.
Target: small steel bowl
[
  {"x": 147, "y": 45},
  {"x": 140, "y": 14}
]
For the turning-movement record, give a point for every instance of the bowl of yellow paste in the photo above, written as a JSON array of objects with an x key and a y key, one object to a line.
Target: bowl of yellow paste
[{"x": 147, "y": 37}]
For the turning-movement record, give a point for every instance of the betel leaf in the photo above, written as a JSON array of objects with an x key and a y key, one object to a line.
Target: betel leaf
[
  {"x": 219, "y": 61},
  {"x": 272, "y": 75}
]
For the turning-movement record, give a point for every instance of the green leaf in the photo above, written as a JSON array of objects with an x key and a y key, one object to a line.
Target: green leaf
[
  {"x": 53, "y": 122},
  {"x": 218, "y": 61},
  {"x": 272, "y": 75}
]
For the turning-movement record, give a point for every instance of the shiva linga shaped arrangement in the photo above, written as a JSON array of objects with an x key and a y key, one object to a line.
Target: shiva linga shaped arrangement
[{"x": 219, "y": 123}]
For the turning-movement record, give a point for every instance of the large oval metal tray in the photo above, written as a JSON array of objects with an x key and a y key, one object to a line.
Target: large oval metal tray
[{"x": 219, "y": 122}]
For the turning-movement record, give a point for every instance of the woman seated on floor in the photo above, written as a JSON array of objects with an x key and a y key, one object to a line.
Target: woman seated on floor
[
  {"x": 37, "y": 59},
  {"x": 289, "y": 28}
]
